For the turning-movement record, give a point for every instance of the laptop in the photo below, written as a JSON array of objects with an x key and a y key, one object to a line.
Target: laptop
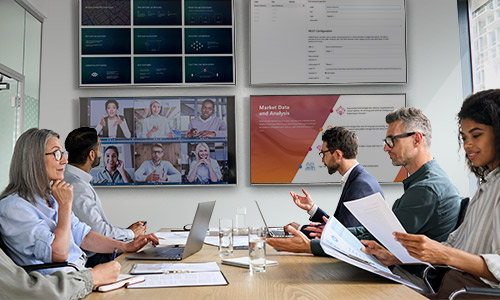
[
  {"x": 194, "y": 241},
  {"x": 275, "y": 232}
]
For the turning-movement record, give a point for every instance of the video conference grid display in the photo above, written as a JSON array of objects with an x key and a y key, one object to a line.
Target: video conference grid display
[
  {"x": 147, "y": 42},
  {"x": 162, "y": 140}
]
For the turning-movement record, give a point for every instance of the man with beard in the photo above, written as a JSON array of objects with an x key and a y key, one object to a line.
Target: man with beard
[
  {"x": 338, "y": 153},
  {"x": 84, "y": 153},
  {"x": 430, "y": 203},
  {"x": 157, "y": 169}
]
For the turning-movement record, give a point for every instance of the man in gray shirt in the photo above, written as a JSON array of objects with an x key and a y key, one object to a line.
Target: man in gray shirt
[
  {"x": 207, "y": 125},
  {"x": 84, "y": 149},
  {"x": 15, "y": 283}
]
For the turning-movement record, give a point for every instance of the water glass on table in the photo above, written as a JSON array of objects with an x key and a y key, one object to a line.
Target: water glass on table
[
  {"x": 225, "y": 237},
  {"x": 257, "y": 249}
]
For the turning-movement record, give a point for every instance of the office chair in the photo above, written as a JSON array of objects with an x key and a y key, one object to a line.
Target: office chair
[
  {"x": 29, "y": 268},
  {"x": 440, "y": 270},
  {"x": 475, "y": 291}
]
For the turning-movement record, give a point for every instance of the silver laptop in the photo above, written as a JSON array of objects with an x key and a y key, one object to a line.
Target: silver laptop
[
  {"x": 275, "y": 232},
  {"x": 194, "y": 241}
]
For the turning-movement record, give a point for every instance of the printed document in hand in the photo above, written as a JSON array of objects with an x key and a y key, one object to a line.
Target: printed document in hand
[
  {"x": 178, "y": 274},
  {"x": 337, "y": 241},
  {"x": 376, "y": 216}
]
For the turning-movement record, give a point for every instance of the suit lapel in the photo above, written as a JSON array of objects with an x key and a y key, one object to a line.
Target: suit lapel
[{"x": 354, "y": 174}]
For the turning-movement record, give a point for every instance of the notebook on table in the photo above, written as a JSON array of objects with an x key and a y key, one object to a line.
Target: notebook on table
[
  {"x": 194, "y": 241},
  {"x": 275, "y": 232}
]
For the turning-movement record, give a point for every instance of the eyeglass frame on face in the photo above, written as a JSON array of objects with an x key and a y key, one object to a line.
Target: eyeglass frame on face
[
  {"x": 58, "y": 153},
  {"x": 392, "y": 138},
  {"x": 322, "y": 153}
]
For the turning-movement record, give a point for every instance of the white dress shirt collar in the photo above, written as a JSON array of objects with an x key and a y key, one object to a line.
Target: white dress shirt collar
[
  {"x": 346, "y": 175},
  {"x": 79, "y": 173}
]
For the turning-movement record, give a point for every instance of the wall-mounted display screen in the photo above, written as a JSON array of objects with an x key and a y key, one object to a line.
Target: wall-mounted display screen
[
  {"x": 163, "y": 140},
  {"x": 327, "y": 42},
  {"x": 286, "y": 133},
  {"x": 156, "y": 43}
]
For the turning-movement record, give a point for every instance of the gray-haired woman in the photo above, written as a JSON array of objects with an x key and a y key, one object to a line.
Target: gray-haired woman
[{"x": 37, "y": 224}]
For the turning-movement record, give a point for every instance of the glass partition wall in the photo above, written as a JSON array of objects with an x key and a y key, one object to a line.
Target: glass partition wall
[{"x": 20, "y": 59}]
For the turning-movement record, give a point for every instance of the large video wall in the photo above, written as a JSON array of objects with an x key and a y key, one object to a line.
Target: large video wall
[
  {"x": 163, "y": 140},
  {"x": 155, "y": 43}
]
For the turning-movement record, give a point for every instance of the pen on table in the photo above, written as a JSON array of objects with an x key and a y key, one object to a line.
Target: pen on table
[
  {"x": 144, "y": 223},
  {"x": 176, "y": 271},
  {"x": 113, "y": 256}
]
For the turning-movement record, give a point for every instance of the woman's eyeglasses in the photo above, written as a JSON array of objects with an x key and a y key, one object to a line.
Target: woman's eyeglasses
[{"x": 58, "y": 154}]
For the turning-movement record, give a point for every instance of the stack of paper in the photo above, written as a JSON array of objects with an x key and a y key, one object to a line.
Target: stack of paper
[
  {"x": 164, "y": 268},
  {"x": 337, "y": 241},
  {"x": 244, "y": 262},
  {"x": 376, "y": 216},
  {"x": 178, "y": 274}
]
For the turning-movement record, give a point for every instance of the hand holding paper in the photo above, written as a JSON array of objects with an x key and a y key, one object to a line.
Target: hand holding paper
[
  {"x": 340, "y": 243},
  {"x": 376, "y": 216}
]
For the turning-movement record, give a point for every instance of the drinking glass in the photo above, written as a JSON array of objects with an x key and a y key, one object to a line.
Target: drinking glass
[
  {"x": 225, "y": 237},
  {"x": 257, "y": 249}
]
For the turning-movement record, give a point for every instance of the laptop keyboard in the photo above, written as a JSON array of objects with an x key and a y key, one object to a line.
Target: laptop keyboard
[
  {"x": 170, "y": 253},
  {"x": 277, "y": 233}
]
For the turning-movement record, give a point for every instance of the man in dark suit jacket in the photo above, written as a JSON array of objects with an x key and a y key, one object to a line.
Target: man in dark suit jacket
[
  {"x": 359, "y": 184},
  {"x": 339, "y": 151}
]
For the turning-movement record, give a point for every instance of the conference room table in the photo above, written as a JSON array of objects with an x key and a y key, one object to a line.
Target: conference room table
[{"x": 298, "y": 276}]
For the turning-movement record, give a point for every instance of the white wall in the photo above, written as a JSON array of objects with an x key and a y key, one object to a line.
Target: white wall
[{"x": 434, "y": 85}]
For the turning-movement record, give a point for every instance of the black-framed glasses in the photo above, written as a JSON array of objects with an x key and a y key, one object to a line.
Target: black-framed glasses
[
  {"x": 58, "y": 154},
  {"x": 322, "y": 153},
  {"x": 389, "y": 140}
]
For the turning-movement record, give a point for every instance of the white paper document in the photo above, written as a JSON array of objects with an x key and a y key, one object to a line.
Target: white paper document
[
  {"x": 172, "y": 238},
  {"x": 180, "y": 238},
  {"x": 168, "y": 268},
  {"x": 376, "y": 216},
  {"x": 238, "y": 240},
  {"x": 178, "y": 274},
  {"x": 244, "y": 262},
  {"x": 337, "y": 241},
  {"x": 181, "y": 279}
]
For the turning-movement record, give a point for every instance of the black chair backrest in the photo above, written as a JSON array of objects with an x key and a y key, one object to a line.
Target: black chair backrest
[
  {"x": 463, "y": 208},
  {"x": 2, "y": 244}
]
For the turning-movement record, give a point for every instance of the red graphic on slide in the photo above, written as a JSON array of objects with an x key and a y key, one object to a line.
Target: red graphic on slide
[
  {"x": 283, "y": 129},
  {"x": 402, "y": 174},
  {"x": 340, "y": 110}
]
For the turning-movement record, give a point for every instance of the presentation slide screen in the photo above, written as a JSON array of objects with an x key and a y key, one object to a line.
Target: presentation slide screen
[
  {"x": 162, "y": 141},
  {"x": 156, "y": 43},
  {"x": 286, "y": 136},
  {"x": 327, "y": 42}
]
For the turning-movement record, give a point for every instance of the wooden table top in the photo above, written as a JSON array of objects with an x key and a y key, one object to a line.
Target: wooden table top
[{"x": 296, "y": 277}]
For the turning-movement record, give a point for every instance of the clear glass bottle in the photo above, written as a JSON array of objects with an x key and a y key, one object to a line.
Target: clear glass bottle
[{"x": 240, "y": 219}]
